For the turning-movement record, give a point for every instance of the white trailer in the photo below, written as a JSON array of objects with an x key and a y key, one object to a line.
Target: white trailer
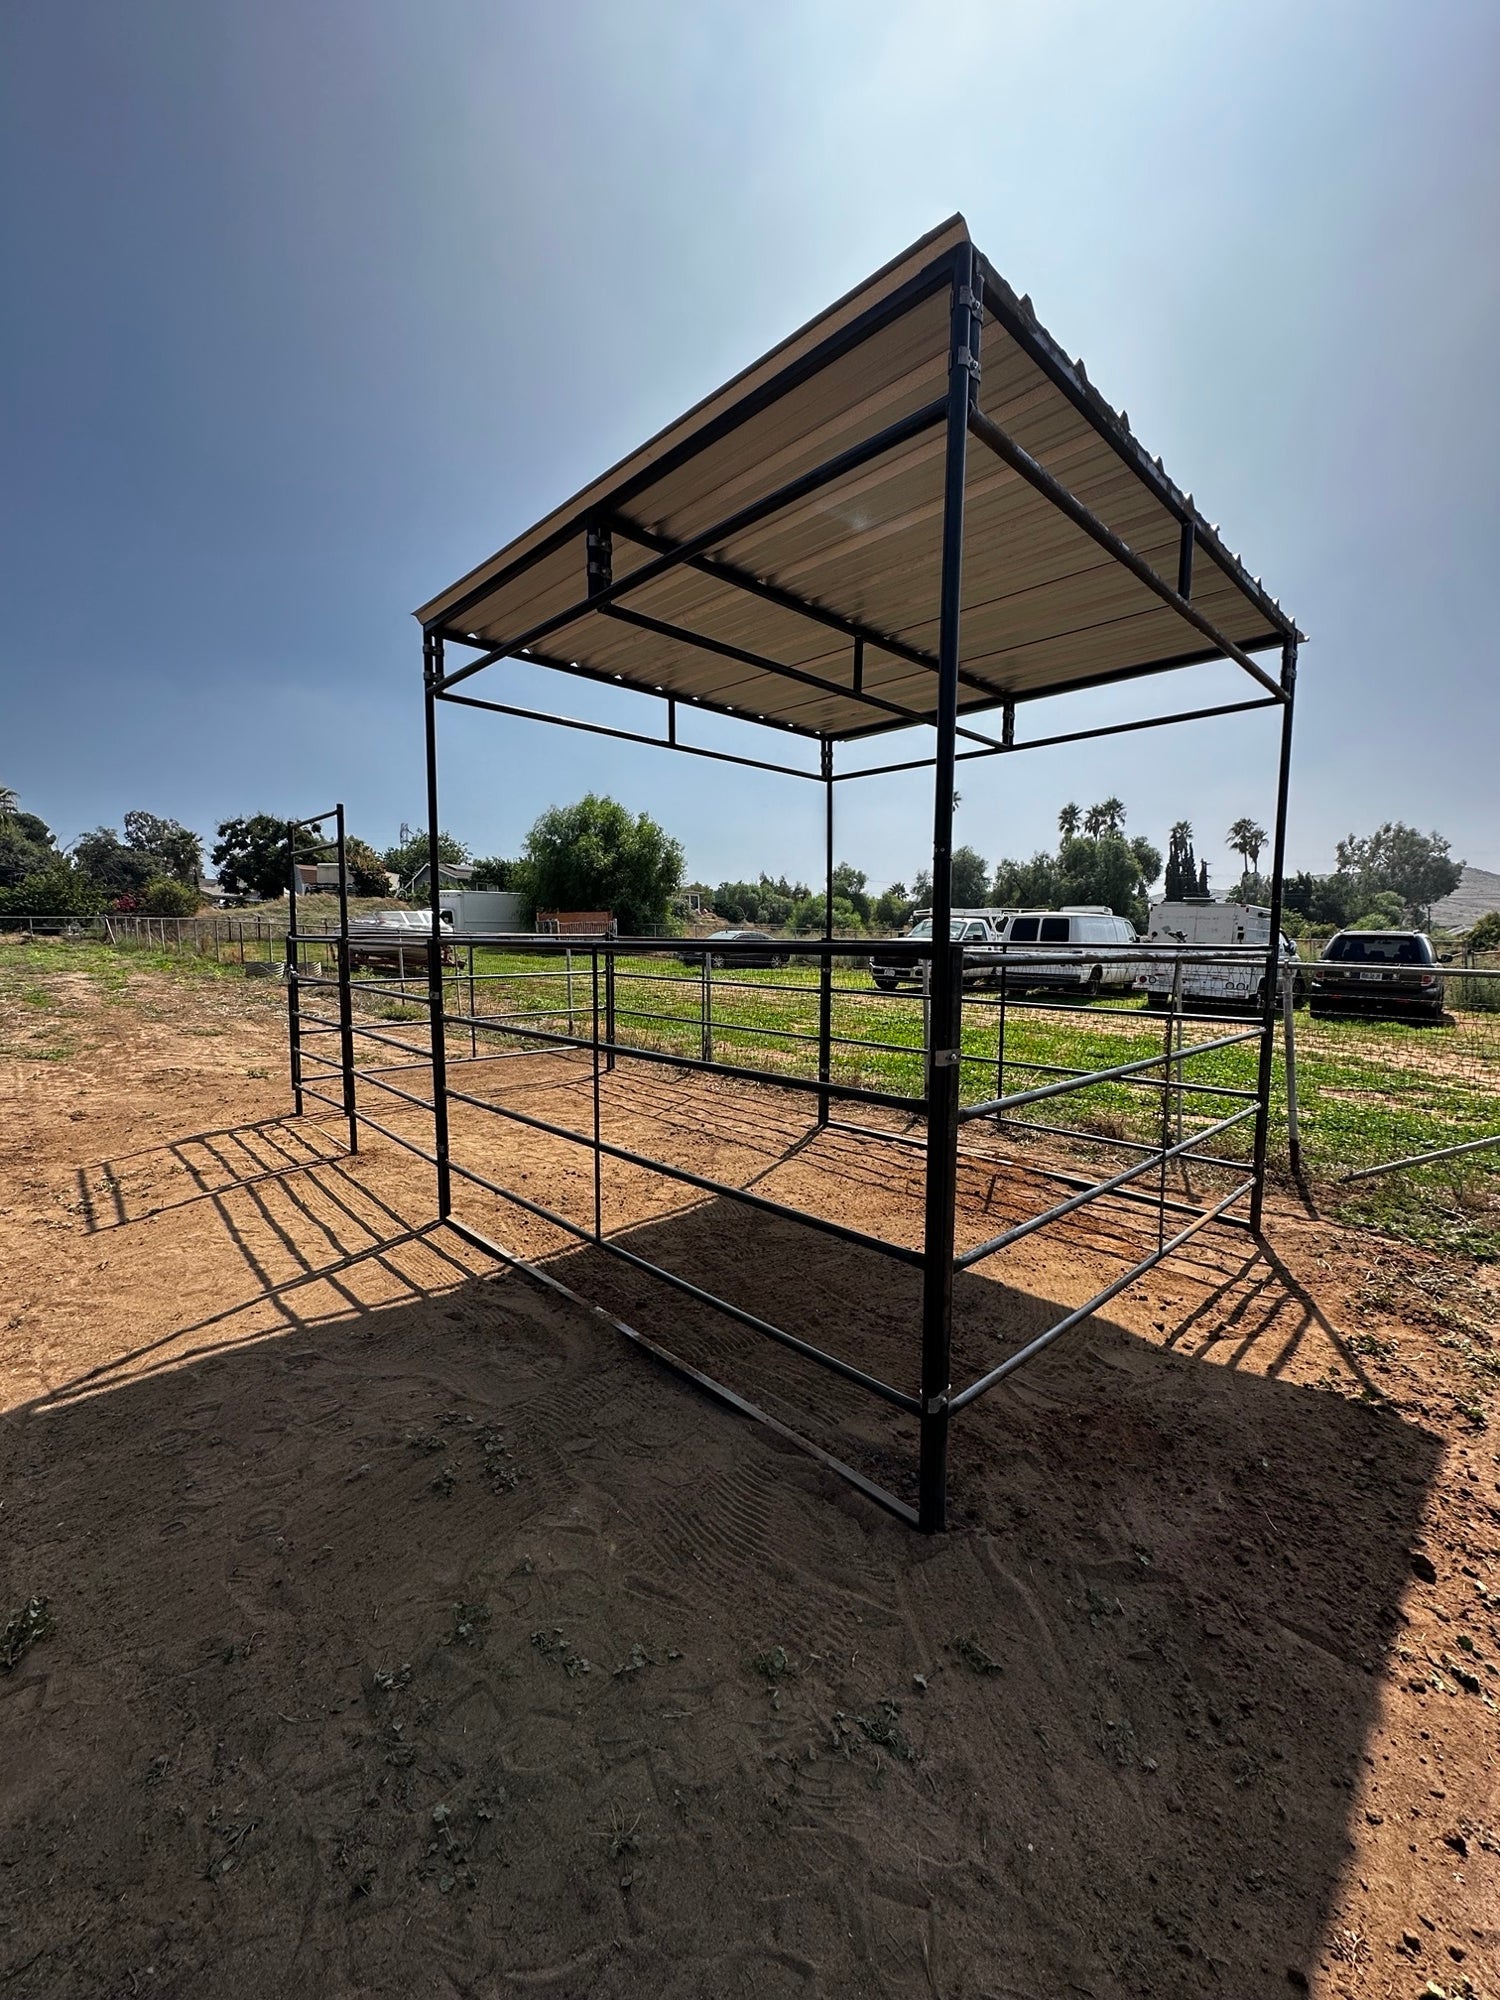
[{"x": 1226, "y": 961}]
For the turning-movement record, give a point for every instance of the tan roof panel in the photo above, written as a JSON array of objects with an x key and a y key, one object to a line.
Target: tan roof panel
[{"x": 763, "y": 619}]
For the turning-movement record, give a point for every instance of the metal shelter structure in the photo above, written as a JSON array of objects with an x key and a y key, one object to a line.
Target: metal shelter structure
[{"x": 917, "y": 511}]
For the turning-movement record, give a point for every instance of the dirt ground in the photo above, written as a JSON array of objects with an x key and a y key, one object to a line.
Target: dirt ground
[{"x": 407, "y": 1631}]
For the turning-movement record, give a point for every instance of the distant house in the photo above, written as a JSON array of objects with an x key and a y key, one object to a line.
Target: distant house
[
  {"x": 315, "y": 875},
  {"x": 451, "y": 875}
]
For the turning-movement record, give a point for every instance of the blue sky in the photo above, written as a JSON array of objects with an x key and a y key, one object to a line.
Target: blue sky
[{"x": 310, "y": 308}]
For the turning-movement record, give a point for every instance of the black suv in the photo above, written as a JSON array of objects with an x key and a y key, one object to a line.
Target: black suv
[{"x": 1377, "y": 972}]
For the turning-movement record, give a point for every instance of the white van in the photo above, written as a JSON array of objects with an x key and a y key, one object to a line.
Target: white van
[
  {"x": 1241, "y": 931},
  {"x": 1080, "y": 945}
]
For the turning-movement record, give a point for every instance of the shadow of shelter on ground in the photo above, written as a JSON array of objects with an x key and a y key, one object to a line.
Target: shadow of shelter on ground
[{"x": 448, "y": 1645}]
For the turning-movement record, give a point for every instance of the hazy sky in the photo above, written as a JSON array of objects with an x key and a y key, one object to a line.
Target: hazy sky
[{"x": 309, "y": 308}]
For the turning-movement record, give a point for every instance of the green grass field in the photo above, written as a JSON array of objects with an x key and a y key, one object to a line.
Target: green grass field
[{"x": 1368, "y": 1091}]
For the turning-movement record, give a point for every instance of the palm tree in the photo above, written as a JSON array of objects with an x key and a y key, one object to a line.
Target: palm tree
[
  {"x": 1067, "y": 820},
  {"x": 1113, "y": 813},
  {"x": 1246, "y": 839}
]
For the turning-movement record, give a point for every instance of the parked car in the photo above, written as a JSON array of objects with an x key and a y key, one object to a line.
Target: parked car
[
  {"x": 1378, "y": 972},
  {"x": 1081, "y": 945},
  {"x": 1242, "y": 930},
  {"x": 979, "y": 931},
  {"x": 737, "y": 948}
]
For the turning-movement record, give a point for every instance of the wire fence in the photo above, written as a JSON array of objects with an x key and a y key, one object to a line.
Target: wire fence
[{"x": 1388, "y": 1119}]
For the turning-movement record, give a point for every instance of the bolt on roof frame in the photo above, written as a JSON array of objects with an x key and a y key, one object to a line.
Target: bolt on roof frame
[{"x": 816, "y": 549}]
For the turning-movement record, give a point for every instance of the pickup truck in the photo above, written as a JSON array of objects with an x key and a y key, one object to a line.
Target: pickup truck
[{"x": 979, "y": 931}]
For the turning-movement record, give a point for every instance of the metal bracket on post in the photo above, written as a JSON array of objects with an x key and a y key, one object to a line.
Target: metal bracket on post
[
  {"x": 600, "y": 557},
  {"x": 1008, "y": 725}
]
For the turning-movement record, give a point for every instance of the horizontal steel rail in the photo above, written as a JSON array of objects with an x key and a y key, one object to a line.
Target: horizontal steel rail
[
  {"x": 976, "y": 1158},
  {"x": 1067, "y": 736},
  {"x": 1090, "y": 1075},
  {"x": 637, "y": 1052},
  {"x": 705, "y": 1185},
  {"x": 620, "y": 735},
  {"x": 995, "y": 1105},
  {"x": 968, "y": 1258},
  {"x": 1081, "y": 1135},
  {"x": 1043, "y": 1340}
]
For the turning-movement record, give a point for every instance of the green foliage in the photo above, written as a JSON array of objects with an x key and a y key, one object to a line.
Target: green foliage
[
  {"x": 1183, "y": 871},
  {"x": 594, "y": 856},
  {"x": 1417, "y": 868},
  {"x": 807, "y": 917},
  {"x": 971, "y": 879},
  {"x": 1385, "y": 912},
  {"x": 410, "y": 852},
  {"x": 1102, "y": 866},
  {"x": 55, "y": 891},
  {"x": 494, "y": 873},
  {"x": 173, "y": 850},
  {"x": 365, "y": 869},
  {"x": 167, "y": 897},
  {"x": 114, "y": 869},
  {"x": 893, "y": 907},
  {"x": 26, "y": 845},
  {"x": 254, "y": 855},
  {"x": 1485, "y": 935},
  {"x": 766, "y": 903}
]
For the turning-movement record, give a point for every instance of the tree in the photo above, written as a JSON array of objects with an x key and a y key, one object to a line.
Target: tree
[
  {"x": 174, "y": 850},
  {"x": 1398, "y": 860},
  {"x": 1027, "y": 885},
  {"x": 594, "y": 856},
  {"x": 26, "y": 846},
  {"x": 54, "y": 891},
  {"x": 410, "y": 852},
  {"x": 1182, "y": 863},
  {"x": 1484, "y": 936},
  {"x": 493, "y": 873},
  {"x": 1246, "y": 839},
  {"x": 254, "y": 855},
  {"x": 892, "y": 907},
  {"x": 365, "y": 869},
  {"x": 1068, "y": 821},
  {"x": 114, "y": 869},
  {"x": 971, "y": 878},
  {"x": 167, "y": 897}
]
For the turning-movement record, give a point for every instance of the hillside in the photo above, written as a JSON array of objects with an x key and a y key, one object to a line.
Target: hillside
[{"x": 1478, "y": 892}]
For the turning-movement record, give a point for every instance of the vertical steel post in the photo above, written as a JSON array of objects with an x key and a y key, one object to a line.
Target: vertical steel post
[
  {"x": 1271, "y": 980},
  {"x": 293, "y": 1006},
  {"x": 609, "y": 1008},
  {"x": 598, "y": 1155},
  {"x": 946, "y": 1013},
  {"x": 825, "y": 979},
  {"x": 346, "y": 991},
  {"x": 705, "y": 1009},
  {"x": 432, "y": 666}
]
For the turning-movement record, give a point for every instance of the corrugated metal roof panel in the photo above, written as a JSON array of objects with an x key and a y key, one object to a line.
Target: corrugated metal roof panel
[{"x": 1045, "y": 607}]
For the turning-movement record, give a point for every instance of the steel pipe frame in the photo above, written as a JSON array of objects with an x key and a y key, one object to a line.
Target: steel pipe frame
[
  {"x": 986, "y": 1382},
  {"x": 996, "y": 1107},
  {"x": 970, "y": 284}
]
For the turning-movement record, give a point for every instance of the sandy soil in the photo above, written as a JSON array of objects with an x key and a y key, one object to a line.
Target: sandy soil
[{"x": 408, "y": 1632}]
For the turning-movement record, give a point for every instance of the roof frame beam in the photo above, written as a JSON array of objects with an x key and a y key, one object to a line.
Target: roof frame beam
[
  {"x": 1071, "y": 736},
  {"x": 670, "y": 741},
  {"x": 856, "y": 629},
  {"x": 722, "y": 648}
]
